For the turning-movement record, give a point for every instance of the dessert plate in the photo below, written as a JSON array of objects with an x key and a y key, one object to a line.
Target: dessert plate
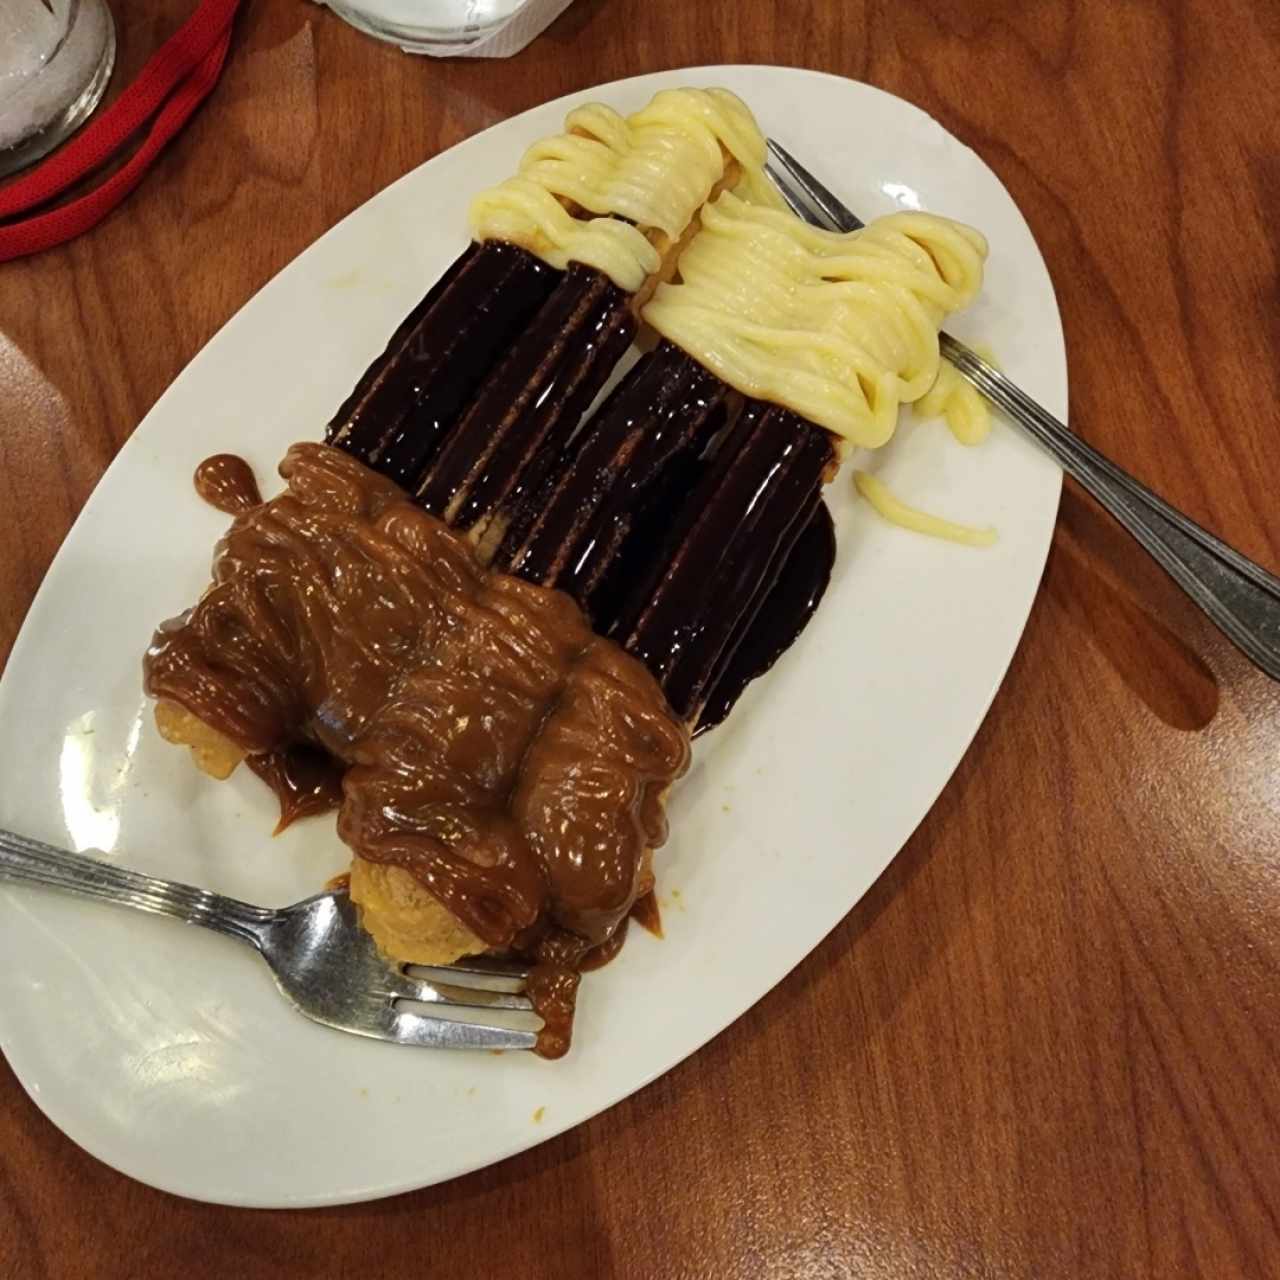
[{"x": 166, "y": 1051}]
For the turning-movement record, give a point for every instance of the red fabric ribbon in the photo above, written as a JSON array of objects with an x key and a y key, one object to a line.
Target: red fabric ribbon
[{"x": 177, "y": 79}]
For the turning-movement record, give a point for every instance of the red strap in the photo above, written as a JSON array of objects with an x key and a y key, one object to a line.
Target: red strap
[{"x": 179, "y": 76}]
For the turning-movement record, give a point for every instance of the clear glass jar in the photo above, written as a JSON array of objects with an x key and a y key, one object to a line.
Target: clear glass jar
[
  {"x": 428, "y": 26},
  {"x": 55, "y": 61}
]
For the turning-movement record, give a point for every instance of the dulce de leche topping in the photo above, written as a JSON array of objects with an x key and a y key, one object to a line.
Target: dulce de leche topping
[
  {"x": 510, "y": 759},
  {"x": 227, "y": 482}
]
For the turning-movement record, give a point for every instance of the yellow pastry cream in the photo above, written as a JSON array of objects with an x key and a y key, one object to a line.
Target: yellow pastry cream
[
  {"x": 613, "y": 191},
  {"x": 840, "y": 328},
  {"x": 887, "y": 504}
]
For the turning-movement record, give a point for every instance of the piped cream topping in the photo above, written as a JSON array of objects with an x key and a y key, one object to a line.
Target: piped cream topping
[
  {"x": 636, "y": 182},
  {"x": 840, "y": 328}
]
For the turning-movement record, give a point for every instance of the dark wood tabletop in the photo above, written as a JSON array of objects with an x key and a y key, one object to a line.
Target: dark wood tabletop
[{"x": 1045, "y": 1043}]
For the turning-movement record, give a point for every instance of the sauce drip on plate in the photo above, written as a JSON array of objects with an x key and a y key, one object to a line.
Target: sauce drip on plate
[{"x": 227, "y": 482}]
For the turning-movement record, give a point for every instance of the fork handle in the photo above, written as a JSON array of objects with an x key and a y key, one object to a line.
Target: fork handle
[
  {"x": 1240, "y": 597},
  {"x": 26, "y": 861}
]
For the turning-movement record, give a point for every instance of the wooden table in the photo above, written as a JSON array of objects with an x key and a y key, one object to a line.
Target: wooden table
[{"x": 1045, "y": 1043}]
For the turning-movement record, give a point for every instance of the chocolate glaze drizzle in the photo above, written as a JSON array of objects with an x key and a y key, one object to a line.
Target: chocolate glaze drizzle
[
  {"x": 783, "y": 614},
  {"x": 729, "y": 539},
  {"x": 532, "y": 402},
  {"x": 400, "y": 411}
]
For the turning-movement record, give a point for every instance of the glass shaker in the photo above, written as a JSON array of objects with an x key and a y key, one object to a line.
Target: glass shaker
[
  {"x": 55, "y": 61},
  {"x": 449, "y": 27}
]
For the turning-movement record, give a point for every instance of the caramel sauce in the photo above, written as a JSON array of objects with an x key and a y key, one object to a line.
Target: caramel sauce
[
  {"x": 600, "y": 956},
  {"x": 647, "y": 914},
  {"x": 227, "y": 482},
  {"x": 498, "y": 750},
  {"x": 305, "y": 781}
]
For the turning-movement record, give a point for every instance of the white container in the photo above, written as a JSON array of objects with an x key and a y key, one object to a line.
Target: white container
[{"x": 452, "y": 28}]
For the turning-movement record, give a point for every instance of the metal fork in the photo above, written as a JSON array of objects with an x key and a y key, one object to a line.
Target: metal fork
[
  {"x": 324, "y": 963},
  {"x": 1240, "y": 597}
]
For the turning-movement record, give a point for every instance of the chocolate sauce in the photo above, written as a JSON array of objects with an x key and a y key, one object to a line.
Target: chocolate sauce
[
  {"x": 647, "y": 545},
  {"x": 530, "y": 406},
  {"x": 749, "y": 509},
  {"x": 478, "y": 431},
  {"x": 227, "y": 482},
  {"x": 305, "y": 780},
  {"x": 784, "y": 613},
  {"x": 357, "y": 405},
  {"x": 405, "y": 404},
  {"x": 662, "y": 415}
]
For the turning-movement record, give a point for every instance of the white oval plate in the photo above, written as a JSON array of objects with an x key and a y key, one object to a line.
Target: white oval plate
[{"x": 166, "y": 1051}]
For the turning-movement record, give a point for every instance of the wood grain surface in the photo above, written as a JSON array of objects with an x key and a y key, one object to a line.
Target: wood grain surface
[{"x": 1045, "y": 1044}]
